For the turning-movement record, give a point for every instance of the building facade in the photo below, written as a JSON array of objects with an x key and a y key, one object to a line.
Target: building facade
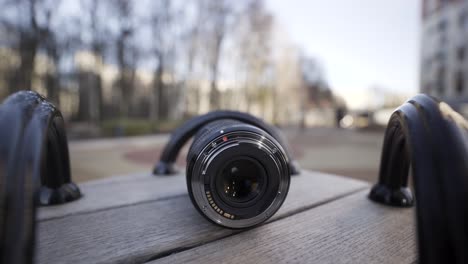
[{"x": 444, "y": 51}]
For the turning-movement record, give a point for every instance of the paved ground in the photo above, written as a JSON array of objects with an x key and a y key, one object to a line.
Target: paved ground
[{"x": 349, "y": 153}]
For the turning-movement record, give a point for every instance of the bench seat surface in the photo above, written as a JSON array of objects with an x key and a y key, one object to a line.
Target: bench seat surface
[{"x": 144, "y": 218}]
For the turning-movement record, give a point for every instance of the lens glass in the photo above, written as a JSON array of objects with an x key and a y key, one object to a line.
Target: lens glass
[{"x": 242, "y": 180}]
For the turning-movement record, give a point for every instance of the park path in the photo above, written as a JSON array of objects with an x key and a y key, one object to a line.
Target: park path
[{"x": 345, "y": 152}]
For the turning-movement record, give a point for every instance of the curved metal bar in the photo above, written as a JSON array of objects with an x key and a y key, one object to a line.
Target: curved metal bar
[
  {"x": 34, "y": 170},
  {"x": 432, "y": 139},
  {"x": 183, "y": 133}
]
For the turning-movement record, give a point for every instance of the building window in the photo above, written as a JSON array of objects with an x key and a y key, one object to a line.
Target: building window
[
  {"x": 442, "y": 26},
  {"x": 459, "y": 83},
  {"x": 463, "y": 20},
  {"x": 442, "y": 32},
  {"x": 427, "y": 89},
  {"x": 440, "y": 80},
  {"x": 461, "y": 54},
  {"x": 440, "y": 56}
]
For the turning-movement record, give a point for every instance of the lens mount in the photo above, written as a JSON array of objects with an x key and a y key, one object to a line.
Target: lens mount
[{"x": 237, "y": 175}]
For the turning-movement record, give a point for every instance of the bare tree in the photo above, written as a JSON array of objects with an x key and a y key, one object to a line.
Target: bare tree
[
  {"x": 55, "y": 40},
  {"x": 94, "y": 29},
  {"x": 37, "y": 27},
  {"x": 315, "y": 86},
  {"x": 193, "y": 47},
  {"x": 161, "y": 26},
  {"x": 28, "y": 21},
  {"x": 255, "y": 46},
  {"x": 125, "y": 52},
  {"x": 219, "y": 12}
]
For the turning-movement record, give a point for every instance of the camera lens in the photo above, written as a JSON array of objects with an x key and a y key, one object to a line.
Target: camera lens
[
  {"x": 237, "y": 174},
  {"x": 241, "y": 180}
]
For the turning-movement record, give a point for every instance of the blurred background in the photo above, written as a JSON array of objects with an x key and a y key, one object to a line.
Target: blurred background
[{"x": 329, "y": 73}]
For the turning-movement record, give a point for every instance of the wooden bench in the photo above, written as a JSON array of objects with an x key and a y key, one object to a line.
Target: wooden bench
[{"x": 145, "y": 218}]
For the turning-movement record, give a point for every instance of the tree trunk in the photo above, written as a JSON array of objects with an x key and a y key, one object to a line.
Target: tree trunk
[
  {"x": 156, "y": 107},
  {"x": 214, "y": 92},
  {"x": 274, "y": 108},
  {"x": 214, "y": 96},
  {"x": 162, "y": 98},
  {"x": 52, "y": 75},
  {"x": 90, "y": 94},
  {"x": 123, "y": 82},
  {"x": 22, "y": 78},
  {"x": 52, "y": 87}
]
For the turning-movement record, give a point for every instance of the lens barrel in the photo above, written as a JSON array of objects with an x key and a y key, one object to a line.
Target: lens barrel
[{"x": 237, "y": 174}]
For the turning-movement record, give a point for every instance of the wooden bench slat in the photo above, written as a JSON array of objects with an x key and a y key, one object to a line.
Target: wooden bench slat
[
  {"x": 348, "y": 230},
  {"x": 118, "y": 191},
  {"x": 138, "y": 232}
]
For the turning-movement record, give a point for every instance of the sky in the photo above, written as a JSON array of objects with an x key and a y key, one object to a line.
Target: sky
[{"x": 361, "y": 44}]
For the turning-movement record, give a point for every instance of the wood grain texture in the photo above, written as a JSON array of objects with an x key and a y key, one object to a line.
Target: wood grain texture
[
  {"x": 151, "y": 228},
  {"x": 118, "y": 191},
  {"x": 130, "y": 189},
  {"x": 349, "y": 230}
]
